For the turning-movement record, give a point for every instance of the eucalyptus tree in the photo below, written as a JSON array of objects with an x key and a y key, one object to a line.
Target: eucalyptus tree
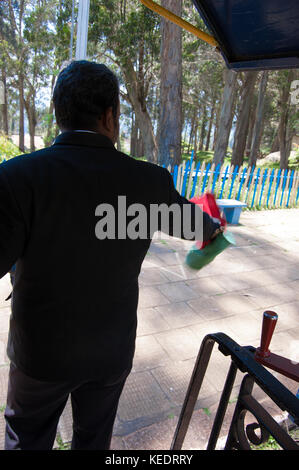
[{"x": 127, "y": 35}]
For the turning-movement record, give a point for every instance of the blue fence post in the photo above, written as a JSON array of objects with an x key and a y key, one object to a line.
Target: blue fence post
[
  {"x": 249, "y": 182},
  {"x": 290, "y": 187},
  {"x": 255, "y": 186},
  {"x": 223, "y": 182},
  {"x": 270, "y": 186},
  {"x": 277, "y": 185},
  {"x": 283, "y": 185},
  {"x": 233, "y": 181},
  {"x": 205, "y": 178},
  {"x": 241, "y": 182},
  {"x": 185, "y": 178},
  {"x": 195, "y": 179},
  {"x": 175, "y": 175},
  {"x": 263, "y": 184},
  {"x": 215, "y": 178}
]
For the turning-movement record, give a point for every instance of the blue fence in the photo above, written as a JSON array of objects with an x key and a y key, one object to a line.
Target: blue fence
[{"x": 257, "y": 187}]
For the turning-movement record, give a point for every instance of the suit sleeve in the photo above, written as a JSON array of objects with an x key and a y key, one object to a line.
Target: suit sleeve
[
  {"x": 12, "y": 227},
  {"x": 186, "y": 219}
]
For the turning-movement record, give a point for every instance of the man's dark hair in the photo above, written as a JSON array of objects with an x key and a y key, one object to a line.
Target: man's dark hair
[{"x": 83, "y": 91}]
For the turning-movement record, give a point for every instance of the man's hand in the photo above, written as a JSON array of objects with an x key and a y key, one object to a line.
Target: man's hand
[{"x": 217, "y": 232}]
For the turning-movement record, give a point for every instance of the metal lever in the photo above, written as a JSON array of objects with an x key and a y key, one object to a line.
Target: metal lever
[
  {"x": 269, "y": 323},
  {"x": 263, "y": 355}
]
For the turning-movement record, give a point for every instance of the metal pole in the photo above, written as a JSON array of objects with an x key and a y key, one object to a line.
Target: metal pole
[{"x": 82, "y": 29}]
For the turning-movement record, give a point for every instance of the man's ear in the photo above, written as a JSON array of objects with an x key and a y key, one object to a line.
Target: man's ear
[{"x": 107, "y": 120}]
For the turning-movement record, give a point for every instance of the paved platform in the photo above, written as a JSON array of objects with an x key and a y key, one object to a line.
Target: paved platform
[{"x": 177, "y": 308}]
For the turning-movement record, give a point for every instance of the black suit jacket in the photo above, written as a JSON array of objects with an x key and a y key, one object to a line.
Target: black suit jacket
[{"x": 75, "y": 296}]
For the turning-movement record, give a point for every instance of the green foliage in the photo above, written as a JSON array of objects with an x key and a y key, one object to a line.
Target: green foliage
[{"x": 7, "y": 149}]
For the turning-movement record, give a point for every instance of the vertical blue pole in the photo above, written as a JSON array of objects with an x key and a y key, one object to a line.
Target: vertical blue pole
[
  {"x": 263, "y": 184},
  {"x": 195, "y": 180},
  {"x": 249, "y": 182},
  {"x": 185, "y": 179},
  {"x": 205, "y": 178},
  {"x": 290, "y": 187},
  {"x": 283, "y": 185},
  {"x": 270, "y": 186},
  {"x": 175, "y": 175},
  {"x": 233, "y": 180},
  {"x": 223, "y": 182},
  {"x": 255, "y": 186},
  {"x": 277, "y": 185},
  {"x": 215, "y": 178},
  {"x": 241, "y": 183}
]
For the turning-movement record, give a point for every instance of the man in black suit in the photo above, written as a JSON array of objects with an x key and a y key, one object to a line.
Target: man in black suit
[{"x": 75, "y": 293}]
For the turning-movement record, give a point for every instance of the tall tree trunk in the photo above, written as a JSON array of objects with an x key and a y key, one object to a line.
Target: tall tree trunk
[
  {"x": 30, "y": 108},
  {"x": 225, "y": 121},
  {"x": 203, "y": 128},
  {"x": 243, "y": 119},
  {"x": 4, "y": 107},
  {"x": 170, "y": 123},
  {"x": 211, "y": 120},
  {"x": 133, "y": 137},
  {"x": 284, "y": 136},
  {"x": 216, "y": 125},
  {"x": 275, "y": 142},
  {"x": 48, "y": 138},
  {"x": 258, "y": 126},
  {"x": 21, "y": 113},
  {"x": 138, "y": 103}
]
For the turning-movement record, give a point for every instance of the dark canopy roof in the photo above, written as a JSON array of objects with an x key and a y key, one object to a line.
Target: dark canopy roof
[{"x": 254, "y": 34}]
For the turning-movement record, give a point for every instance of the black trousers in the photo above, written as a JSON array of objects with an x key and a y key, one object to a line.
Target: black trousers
[{"x": 34, "y": 407}]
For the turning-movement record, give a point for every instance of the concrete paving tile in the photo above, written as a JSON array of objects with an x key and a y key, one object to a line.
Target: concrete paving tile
[
  {"x": 3, "y": 345},
  {"x": 261, "y": 277},
  {"x": 215, "y": 268},
  {"x": 288, "y": 315},
  {"x": 151, "y": 297},
  {"x": 118, "y": 443},
  {"x": 174, "y": 380},
  {"x": 4, "y": 319},
  {"x": 2, "y": 430},
  {"x": 208, "y": 308},
  {"x": 246, "y": 329},
  {"x": 206, "y": 286},
  {"x": 221, "y": 325},
  {"x": 179, "y": 314},
  {"x": 235, "y": 303},
  {"x": 148, "y": 353},
  {"x": 142, "y": 397},
  {"x": 157, "y": 436},
  {"x": 3, "y": 384},
  {"x": 150, "y": 321},
  {"x": 283, "y": 343},
  {"x": 171, "y": 258},
  {"x": 177, "y": 291},
  {"x": 179, "y": 272},
  {"x": 160, "y": 246},
  {"x": 232, "y": 282},
  {"x": 151, "y": 260},
  {"x": 272, "y": 294},
  {"x": 5, "y": 290},
  {"x": 180, "y": 344},
  {"x": 151, "y": 277}
]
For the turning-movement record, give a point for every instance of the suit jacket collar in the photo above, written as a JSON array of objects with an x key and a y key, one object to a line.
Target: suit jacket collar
[{"x": 88, "y": 139}]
